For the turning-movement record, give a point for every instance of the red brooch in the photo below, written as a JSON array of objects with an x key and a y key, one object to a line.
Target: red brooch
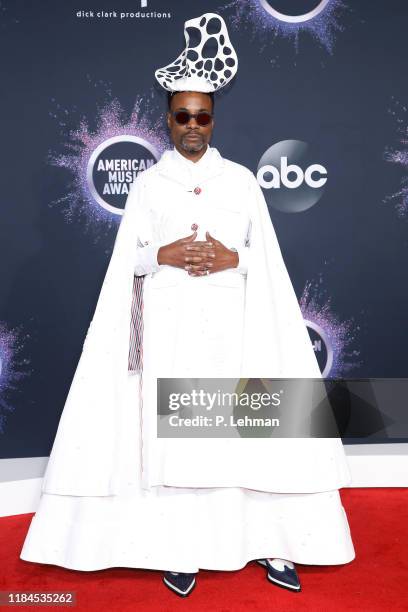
[{"x": 197, "y": 190}]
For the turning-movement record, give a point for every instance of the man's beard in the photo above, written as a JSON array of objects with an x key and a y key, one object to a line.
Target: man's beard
[{"x": 193, "y": 147}]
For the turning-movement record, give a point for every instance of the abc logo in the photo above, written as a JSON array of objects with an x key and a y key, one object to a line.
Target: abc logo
[
  {"x": 291, "y": 178},
  {"x": 282, "y": 177}
]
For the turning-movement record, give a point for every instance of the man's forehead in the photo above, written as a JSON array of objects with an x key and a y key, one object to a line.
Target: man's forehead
[
  {"x": 190, "y": 107},
  {"x": 191, "y": 101}
]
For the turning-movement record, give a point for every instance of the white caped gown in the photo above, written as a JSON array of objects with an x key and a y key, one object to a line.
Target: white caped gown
[{"x": 186, "y": 528}]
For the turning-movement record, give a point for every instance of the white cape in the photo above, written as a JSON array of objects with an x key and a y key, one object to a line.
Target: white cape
[{"x": 275, "y": 343}]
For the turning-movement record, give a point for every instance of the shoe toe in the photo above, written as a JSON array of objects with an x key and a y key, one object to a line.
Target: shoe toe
[
  {"x": 286, "y": 577},
  {"x": 181, "y": 583}
]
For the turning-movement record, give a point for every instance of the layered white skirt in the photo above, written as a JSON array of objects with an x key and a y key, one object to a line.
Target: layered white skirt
[{"x": 185, "y": 529}]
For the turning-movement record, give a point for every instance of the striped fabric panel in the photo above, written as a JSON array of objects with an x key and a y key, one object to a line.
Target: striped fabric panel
[
  {"x": 136, "y": 326},
  {"x": 136, "y": 347}
]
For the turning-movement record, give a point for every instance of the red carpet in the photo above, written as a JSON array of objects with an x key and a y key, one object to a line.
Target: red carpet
[{"x": 376, "y": 580}]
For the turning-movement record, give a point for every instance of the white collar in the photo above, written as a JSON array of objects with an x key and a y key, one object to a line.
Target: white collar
[
  {"x": 178, "y": 168},
  {"x": 201, "y": 163}
]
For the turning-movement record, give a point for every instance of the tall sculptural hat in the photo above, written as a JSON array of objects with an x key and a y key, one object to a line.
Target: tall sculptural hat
[{"x": 207, "y": 63}]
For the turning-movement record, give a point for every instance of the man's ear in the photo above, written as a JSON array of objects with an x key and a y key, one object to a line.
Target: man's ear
[{"x": 168, "y": 116}]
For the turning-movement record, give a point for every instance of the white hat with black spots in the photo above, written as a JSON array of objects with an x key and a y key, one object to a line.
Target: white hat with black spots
[{"x": 207, "y": 63}]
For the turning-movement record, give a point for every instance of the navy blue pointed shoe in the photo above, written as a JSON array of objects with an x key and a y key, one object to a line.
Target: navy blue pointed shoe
[
  {"x": 282, "y": 572},
  {"x": 179, "y": 582}
]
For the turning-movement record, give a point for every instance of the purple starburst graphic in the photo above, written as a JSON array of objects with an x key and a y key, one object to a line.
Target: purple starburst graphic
[
  {"x": 322, "y": 23},
  {"x": 340, "y": 335},
  {"x": 80, "y": 142},
  {"x": 12, "y": 367},
  {"x": 399, "y": 155}
]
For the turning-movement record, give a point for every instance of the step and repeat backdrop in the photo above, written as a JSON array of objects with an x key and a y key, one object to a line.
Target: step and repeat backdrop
[{"x": 318, "y": 112}]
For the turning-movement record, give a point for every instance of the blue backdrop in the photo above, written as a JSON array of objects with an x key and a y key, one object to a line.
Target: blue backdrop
[{"x": 78, "y": 87}]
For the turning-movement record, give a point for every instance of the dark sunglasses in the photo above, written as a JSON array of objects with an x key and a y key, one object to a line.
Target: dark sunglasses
[{"x": 183, "y": 117}]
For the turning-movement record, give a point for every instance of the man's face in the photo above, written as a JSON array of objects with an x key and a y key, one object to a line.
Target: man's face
[{"x": 190, "y": 138}]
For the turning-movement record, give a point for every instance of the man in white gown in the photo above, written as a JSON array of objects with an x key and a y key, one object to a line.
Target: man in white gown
[{"x": 215, "y": 300}]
